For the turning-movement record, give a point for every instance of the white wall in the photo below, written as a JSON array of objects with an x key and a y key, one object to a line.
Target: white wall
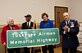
[
  {"x": 76, "y": 9},
  {"x": 64, "y": 3},
  {"x": 17, "y": 9}
]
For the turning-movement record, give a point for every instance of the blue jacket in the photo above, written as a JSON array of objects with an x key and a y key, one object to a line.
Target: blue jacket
[
  {"x": 48, "y": 24},
  {"x": 69, "y": 39}
]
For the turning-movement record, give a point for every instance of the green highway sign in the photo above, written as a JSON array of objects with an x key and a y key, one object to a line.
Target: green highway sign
[{"x": 32, "y": 37}]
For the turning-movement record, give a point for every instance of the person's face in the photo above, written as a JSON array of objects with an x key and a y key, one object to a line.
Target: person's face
[
  {"x": 11, "y": 22},
  {"x": 28, "y": 19},
  {"x": 45, "y": 18},
  {"x": 66, "y": 17}
]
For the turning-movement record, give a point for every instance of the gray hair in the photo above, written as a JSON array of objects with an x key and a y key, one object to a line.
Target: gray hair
[
  {"x": 65, "y": 13},
  {"x": 9, "y": 19}
]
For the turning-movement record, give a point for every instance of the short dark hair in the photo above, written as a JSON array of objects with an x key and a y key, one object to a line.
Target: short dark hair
[
  {"x": 28, "y": 16},
  {"x": 44, "y": 14}
]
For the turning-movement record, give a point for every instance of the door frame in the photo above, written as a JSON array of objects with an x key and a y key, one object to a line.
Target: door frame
[{"x": 55, "y": 11}]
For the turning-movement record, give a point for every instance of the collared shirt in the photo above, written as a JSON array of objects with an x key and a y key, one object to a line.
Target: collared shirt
[
  {"x": 67, "y": 22},
  {"x": 28, "y": 23}
]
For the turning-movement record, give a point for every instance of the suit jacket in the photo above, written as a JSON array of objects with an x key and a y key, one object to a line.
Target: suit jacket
[
  {"x": 69, "y": 39},
  {"x": 4, "y": 30},
  {"x": 24, "y": 25},
  {"x": 47, "y": 24}
]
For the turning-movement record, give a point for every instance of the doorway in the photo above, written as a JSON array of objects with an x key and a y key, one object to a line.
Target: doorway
[
  {"x": 59, "y": 15},
  {"x": 58, "y": 12}
]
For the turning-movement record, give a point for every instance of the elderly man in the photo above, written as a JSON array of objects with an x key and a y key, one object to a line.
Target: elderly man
[
  {"x": 28, "y": 24},
  {"x": 69, "y": 29}
]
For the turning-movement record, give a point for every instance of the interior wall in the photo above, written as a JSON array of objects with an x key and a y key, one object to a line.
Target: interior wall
[
  {"x": 76, "y": 9},
  {"x": 17, "y": 9},
  {"x": 64, "y": 3}
]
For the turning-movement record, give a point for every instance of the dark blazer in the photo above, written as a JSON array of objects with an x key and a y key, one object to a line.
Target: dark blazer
[
  {"x": 24, "y": 25},
  {"x": 69, "y": 39}
]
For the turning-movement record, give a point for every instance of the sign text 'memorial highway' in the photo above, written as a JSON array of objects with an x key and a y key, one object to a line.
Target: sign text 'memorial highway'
[{"x": 32, "y": 37}]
